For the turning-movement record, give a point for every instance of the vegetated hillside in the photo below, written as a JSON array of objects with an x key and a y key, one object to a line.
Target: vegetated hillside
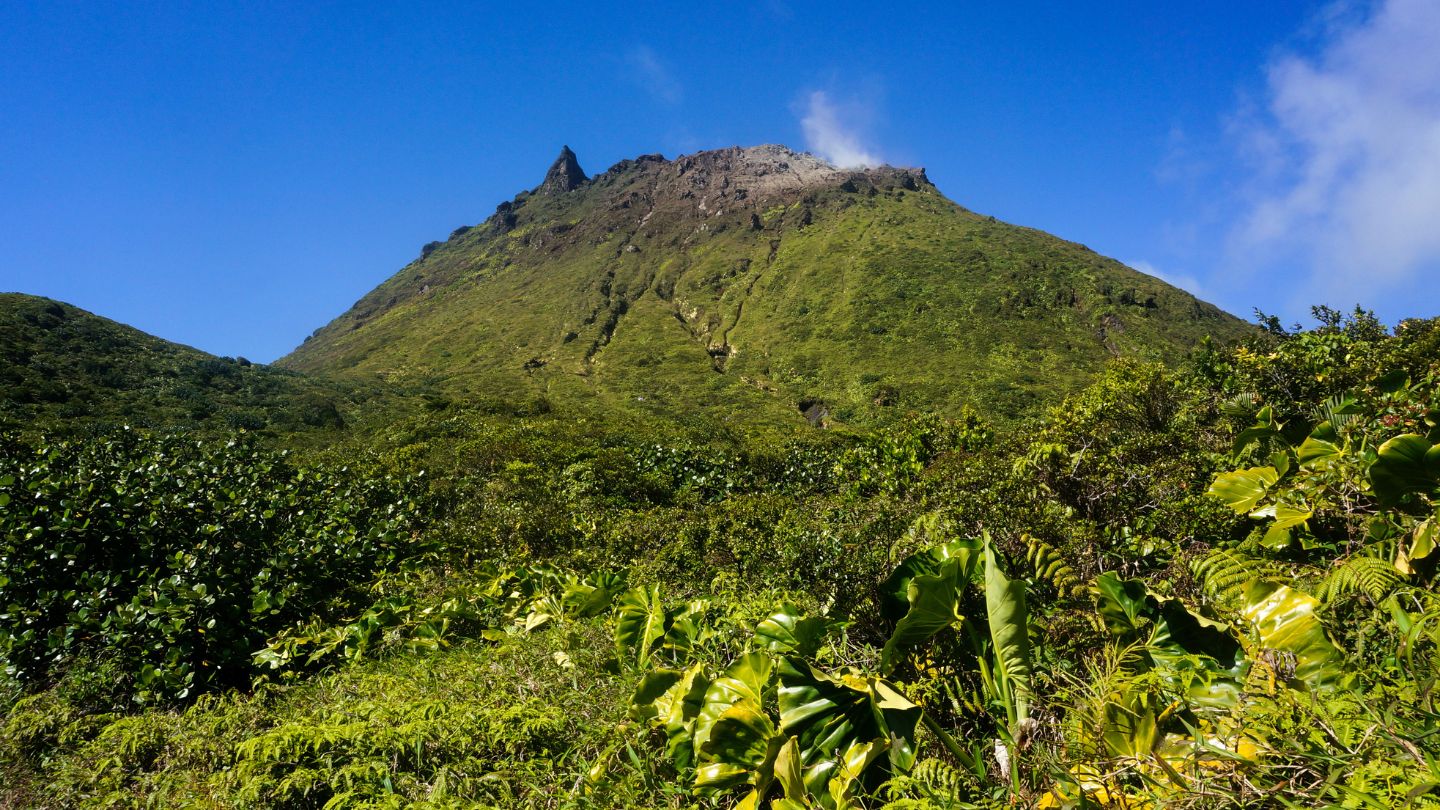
[
  {"x": 756, "y": 285},
  {"x": 61, "y": 365},
  {"x": 1196, "y": 587}
]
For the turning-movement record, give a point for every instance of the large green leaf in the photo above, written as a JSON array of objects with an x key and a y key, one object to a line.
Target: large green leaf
[
  {"x": 743, "y": 682},
  {"x": 786, "y": 632},
  {"x": 934, "y": 601},
  {"x": 1129, "y": 726},
  {"x": 1265, "y": 427},
  {"x": 592, "y": 595},
  {"x": 1320, "y": 447},
  {"x": 895, "y": 590},
  {"x": 1284, "y": 620},
  {"x": 1405, "y": 464},
  {"x": 1010, "y": 638},
  {"x": 672, "y": 700},
  {"x": 639, "y": 625},
  {"x": 830, "y": 713},
  {"x": 1121, "y": 604},
  {"x": 686, "y": 628},
  {"x": 1241, "y": 490},
  {"x": 1424, "y": 540},
  {"x": 740, "y": 750},
  {"x": 1192, "y": 652}
]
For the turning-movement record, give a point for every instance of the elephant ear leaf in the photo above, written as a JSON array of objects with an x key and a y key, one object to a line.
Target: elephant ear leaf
[
  {"x": 672, "y": 700},
  {"x": 1284, "y": 620},
  {"x": 895, "y": 590},
  {"x": 934, "y": 605},
  {"x": 743, "y": 682},
  {"x": 830, "y": 713},
  {"x": 741, "y": 750},
  {"x": 1241, "y": 490},
  {"x": 1405, "y": 464},
  {"x": 786, "y": 632},
  {"x": 639, "y": 625},
  {"x": 1320, "y": 447},
  {"x": 1122, "y": 605},
  {"x": 788, "y": 771},
  {"x": 1010, "y": 637}
]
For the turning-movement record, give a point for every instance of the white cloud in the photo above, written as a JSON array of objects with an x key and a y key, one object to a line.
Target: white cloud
[
  {"x": 1346, "y": 154},
  {"x": 1185, "y": 282},
  {"x": 832, "y": 138},
  {"x": 653, "y": 74}
]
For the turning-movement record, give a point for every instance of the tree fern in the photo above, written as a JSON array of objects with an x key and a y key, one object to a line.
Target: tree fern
[
  {"x": 1224, "y": 573},
  {"x": 1371, "y": 576},
  {"x": 1047, "y": 564}
]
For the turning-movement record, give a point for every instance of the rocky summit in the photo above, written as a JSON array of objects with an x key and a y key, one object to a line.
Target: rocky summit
[{"x": 757, "y": 285}]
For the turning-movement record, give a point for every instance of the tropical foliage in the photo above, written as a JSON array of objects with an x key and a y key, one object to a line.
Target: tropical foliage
[{"x": 1204, "y": 587}]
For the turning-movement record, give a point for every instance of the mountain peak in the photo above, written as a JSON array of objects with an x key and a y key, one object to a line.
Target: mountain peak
[{"x": 564, "y": 175}]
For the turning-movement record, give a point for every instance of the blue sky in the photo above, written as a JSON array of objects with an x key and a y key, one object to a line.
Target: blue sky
[{"x": 232, "y": 176}]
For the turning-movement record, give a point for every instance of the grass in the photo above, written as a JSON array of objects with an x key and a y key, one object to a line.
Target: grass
[{"x": 876, "y": 301}]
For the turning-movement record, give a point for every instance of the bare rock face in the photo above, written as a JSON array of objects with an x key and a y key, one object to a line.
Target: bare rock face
[
  {"x": 733, "y": 182},
  {"x": 564, "y": 175}
]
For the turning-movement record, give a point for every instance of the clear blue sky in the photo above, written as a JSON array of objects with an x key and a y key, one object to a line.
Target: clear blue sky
[{"x": 232, "y": 176}]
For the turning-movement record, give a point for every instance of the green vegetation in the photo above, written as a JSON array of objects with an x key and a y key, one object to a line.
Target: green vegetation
[
  {"x": 1203, "y": 586},
  {"x": 64, "y": 368},
  {"x": 680, "y": 295}
]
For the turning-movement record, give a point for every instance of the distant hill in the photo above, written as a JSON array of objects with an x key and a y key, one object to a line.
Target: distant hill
[
  {"x": 755, "y": 286},
  {"x": 61, "y": 364}
]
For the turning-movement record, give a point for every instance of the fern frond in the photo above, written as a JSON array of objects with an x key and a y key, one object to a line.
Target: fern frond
[
  {"x": 939, "y": 777},
  {"x": 1224, "y": 573},
  {"x": 1339, "y": 410},
  {"x": 1047, "y": 564},
  {"x": 1371, "y": 576},
  {"x": 1241, "y": 406}
]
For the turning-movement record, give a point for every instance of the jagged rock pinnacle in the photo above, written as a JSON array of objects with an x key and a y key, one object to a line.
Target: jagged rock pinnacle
[{"x": 565, "y": 174}]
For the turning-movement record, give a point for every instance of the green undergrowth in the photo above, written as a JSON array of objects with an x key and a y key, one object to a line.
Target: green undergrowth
[{"x": 1211, "y": 586}]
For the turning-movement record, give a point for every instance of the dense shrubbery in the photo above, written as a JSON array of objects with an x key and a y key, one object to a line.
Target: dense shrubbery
[
  {"x": 1204, "y": 587},
  {"x": 171, "y": 560}
]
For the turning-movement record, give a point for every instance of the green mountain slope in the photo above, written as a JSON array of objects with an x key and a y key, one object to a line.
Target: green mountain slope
[
  {"x": 61, "y": 364},
  {"x": 757, "y": 286}
]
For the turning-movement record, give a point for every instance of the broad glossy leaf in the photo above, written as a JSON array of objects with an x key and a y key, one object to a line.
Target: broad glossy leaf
[
  {"x": 1426, "y": 537},
  {"x": 786, "y": 632},
  {"x": 1277, "y": 538},
  {"x": 1131, "y": 728},
  {"x": 1121, "y": 604},
  {"x": 1320, "y": 447},
  {"x": 741, "y": 750},
  {"x": 652, "y": 686},
  {"x": 1009, "y": 634},
  {"x": 853, "y": 764},
  {"x": 1193, "y": 652},
  {"x": 934, "y": 605},
  {"x": 686, "y": 628},
  {"x": 788, "y": 770},
  {"x": 672, "y": 700},
  {"x": 1288, "y": 516},
  {"x": 1284, "y": 619},
  {"x": 593, "y": 595},
  {"x": 743, "y": 682},
  {"x": 639, "y": 625},
  {"x": 830, "y": 713},
  {"x": 894, "y": 591},
  {"x": 1408, "y": 463},
  {"x": 1241, "y": 490}
]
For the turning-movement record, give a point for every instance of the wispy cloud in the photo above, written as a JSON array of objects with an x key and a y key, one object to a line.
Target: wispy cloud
[
  {"x": 1345, "y": 156},
  {"x": 654, "y": 75},
  {"x": 833, "y": 132}
]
